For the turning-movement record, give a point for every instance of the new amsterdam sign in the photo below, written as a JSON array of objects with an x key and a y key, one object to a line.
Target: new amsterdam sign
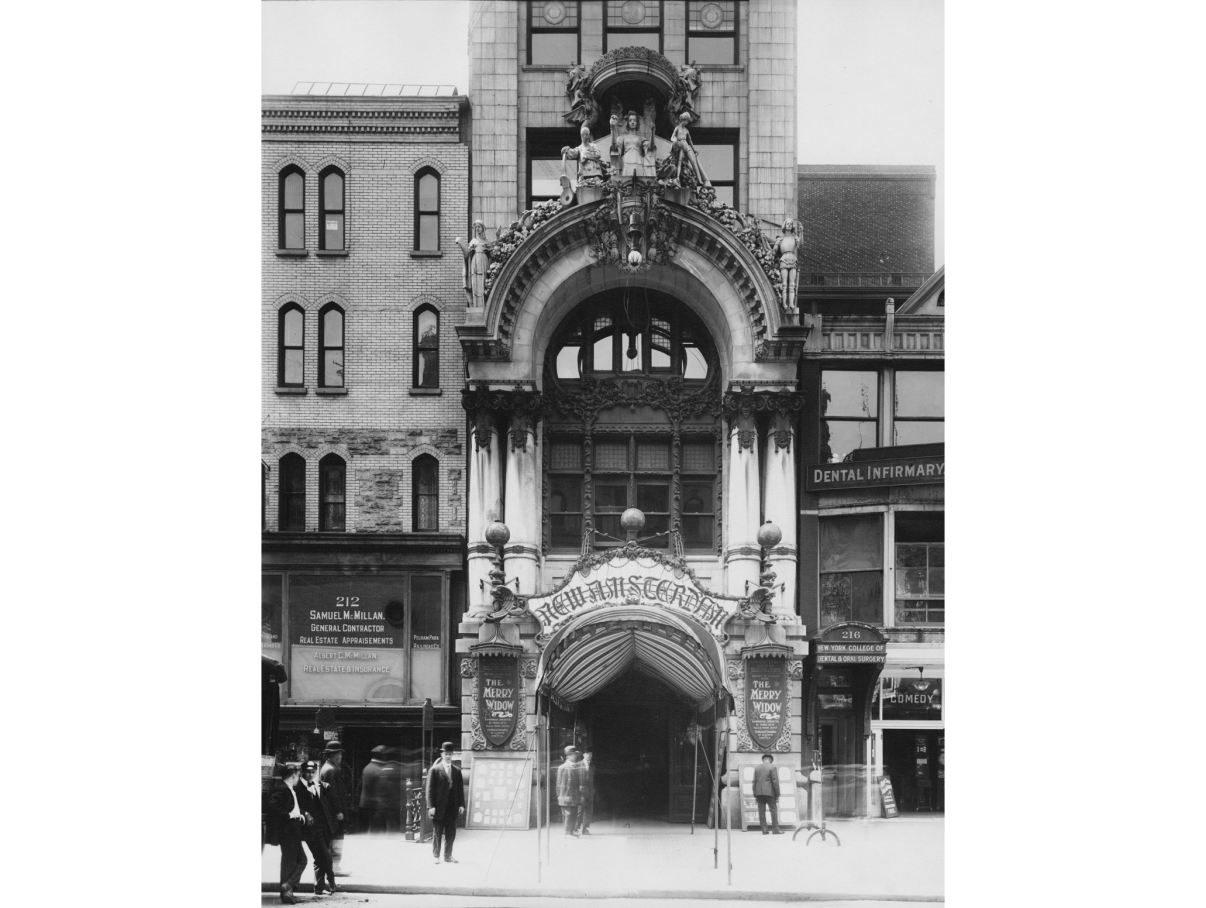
[{"x": 822, "y": 477}]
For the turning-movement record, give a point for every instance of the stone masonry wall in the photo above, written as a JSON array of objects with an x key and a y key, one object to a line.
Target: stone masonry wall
[
  {"x": 772, "y": 108},
  {"x": 493, "y": 90}
]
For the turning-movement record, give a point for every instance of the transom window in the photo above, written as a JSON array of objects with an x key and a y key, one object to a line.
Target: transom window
[
  {"x": 640, "y": 333},
  {"x": 712, "y": 31},
  {"x": 553, "y": 32},
  {"x": 633, "y": 23}
]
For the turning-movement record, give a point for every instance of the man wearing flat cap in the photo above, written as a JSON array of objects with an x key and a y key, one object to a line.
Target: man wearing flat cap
[
  {"x": 337, "y": 800},
  {"x": 569, "y": 790},
  {"x": 286, "y": 823},
  {"x": 445, "y": 802},
  {"x": 766, "y": 791}
]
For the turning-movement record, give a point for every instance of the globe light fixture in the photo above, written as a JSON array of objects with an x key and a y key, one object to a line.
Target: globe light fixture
[
  {"x": 769, "y": 535},
  {"x": 497, "y": 534}
]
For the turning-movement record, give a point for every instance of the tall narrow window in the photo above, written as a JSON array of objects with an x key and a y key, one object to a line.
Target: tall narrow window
[
  {"x": 332, "y": 484},
  {"x": 330, "y": 342},
  {"x": 849, "y": 411},
  {"x": 718, "y": 157},
  {"x": 426, "y": 508},
  {"x": 330, "y": 203},
  {"x": 291, "y": 353},
  {"x": 427, "y": 348},
  {"x": 427, "y": 210},
  {"x": 712, "y": 31},
  {"x": 852, "y": 569},
  {"x": 919, "y": 408},
  {"x": 553, "y": 32},
  {"x": 293, "y": 209},
  {"x": 293, "y": 493},
  {"x": 633, "y": 24}
]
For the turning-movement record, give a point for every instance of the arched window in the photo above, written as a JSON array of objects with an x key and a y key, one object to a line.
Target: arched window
[
  {"x": 293, "y": 493},
  {"x": 330, "y": 344},
  {"x": 426, "y": 510},
  {"x": 427, "y": 348},
  {"x": 427, "y": 210},
  {"x": 293, "y": 209},
  {"x": 291, "y": 351},
  {"x": 332, "y": 484},
  {"x": 330, "y": 204}
]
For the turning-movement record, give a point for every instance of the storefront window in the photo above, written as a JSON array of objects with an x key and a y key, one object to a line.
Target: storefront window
[
  {"x": 426, "y": 640},
  {"x": 270, "y": 616},
  {"x": 852, "y": 562},
  {"x": 920, "y": 568},
  {"x": 911, "y": 699},
  {"x": 849, "y": 412}
]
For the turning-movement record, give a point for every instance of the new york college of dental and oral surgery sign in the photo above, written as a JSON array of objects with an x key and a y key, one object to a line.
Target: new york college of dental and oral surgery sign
[
  {"x": 639, "y": 581},
  {"x": 821, "y": 477}
]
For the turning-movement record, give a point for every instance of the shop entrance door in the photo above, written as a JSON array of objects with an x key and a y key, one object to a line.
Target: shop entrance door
[
  {"x": 690, "y": 769},
  {"x": 841, "y": 764},
  {"x": 914, "y": 758}
]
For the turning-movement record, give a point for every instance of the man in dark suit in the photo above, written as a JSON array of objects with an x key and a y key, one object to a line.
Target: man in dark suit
[
  {"x": 445, "y": 794},
  {"x": 285, "y": 824},
  {"x": 337, "y": 800},
  {"x": 319, "y": 825},
  {"x": 587, "y": 789},
  {"x": 766, "y": 791},
  {"x": 569, "y": 790}
]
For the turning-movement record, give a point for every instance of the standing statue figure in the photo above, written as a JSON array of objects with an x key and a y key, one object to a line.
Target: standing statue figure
[
  {"x": 477, "y": 263},
  {"x": 787, "y": 249},
  {"x": 590, "y": 161},
  {"x": 577, "y": 75},
  {"x": 631, "y": 154},
  {"x": 683, "y": 149}
]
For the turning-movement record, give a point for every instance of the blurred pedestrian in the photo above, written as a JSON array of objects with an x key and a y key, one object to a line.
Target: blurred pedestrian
[
  {"x": 569, "y": 789},
  {"x": 381, "y": 790},
  {"x": 766, "y": 792},
  {"x": 285, "y": 824},
  {"x": 445, "y": 802},
  {"x": 317, "y": 830},
  {"x": 587, "y": 780},
  {"x": 337, "y": 799}
]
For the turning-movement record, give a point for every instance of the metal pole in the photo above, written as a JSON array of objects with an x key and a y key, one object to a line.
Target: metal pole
[
  {"x": 548, "y": 804},
  {"x": 695, "y": 777},
  {"x": 728, "y": 814},
  {"x": 539, "y": 788},
  {"x": 716, "y": 796}
]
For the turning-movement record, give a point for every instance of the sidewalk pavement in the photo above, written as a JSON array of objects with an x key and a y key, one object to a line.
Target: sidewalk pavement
[{"x": 899, "y": 859}]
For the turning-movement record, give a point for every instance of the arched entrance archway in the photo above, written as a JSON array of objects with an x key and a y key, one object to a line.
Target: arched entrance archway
[{"x": 641, "y": 688}]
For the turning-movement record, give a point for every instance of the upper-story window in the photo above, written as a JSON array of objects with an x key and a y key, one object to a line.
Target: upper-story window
[
  {"x": 426, "y": 503},
  {"x": 427, "y": 348},
  {"x": 640, "y": 337},
  {"x": 718, "y": 157},
  {"x": 332, "y": 495},
  {"x": 330, "y": 204},
  {"x": 553, "y": 32},
  {"x": 291, "y": 350},
  {"x": 427, "y": 210},
  {"x": 330, "y": 342},
  {"x": 920, "y": 567},
  {"x": 633, "y": 23},
  {"x": 545, "y": 165},
  {"x": 852, "y": 569},
  {"x": 920, "y": 407},
  {"x": 292, "y": 493},
  {"x": 292, "y": 208},
  {"x": 849, "y": 413},
  {"x": 712, "y": 31}
]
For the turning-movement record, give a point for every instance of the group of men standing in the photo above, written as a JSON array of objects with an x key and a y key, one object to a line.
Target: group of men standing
[
  {"x": 576, "y": 791},
  {"x": 309, "y": 806}
]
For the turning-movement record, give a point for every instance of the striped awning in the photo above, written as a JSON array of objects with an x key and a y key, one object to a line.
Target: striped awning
[{"x": 597, "y": 647}]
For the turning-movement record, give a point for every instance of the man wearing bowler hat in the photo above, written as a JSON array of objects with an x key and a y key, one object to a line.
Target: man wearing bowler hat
[
  {"x": 319, "y": 823},
  {"x": 766, "y": 791},
  {"x": 337, "y": 800},
  {"x": 569, "y": 790},
  {"x": 445, "y": 802},
  {"x": 286, "y": 823}
]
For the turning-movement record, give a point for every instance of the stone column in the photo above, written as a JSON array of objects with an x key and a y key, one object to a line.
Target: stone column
[
  {"x": 780, "y": 505},
  {"x": 485, "y": 506},
  {"x": 523, "y": 501},
  {"x": 742, "y": 556}
]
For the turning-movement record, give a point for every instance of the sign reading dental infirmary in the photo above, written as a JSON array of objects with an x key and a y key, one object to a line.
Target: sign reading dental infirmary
[
  {"x": 633, "y": 581},
  {"x": 822, "y": 477}
]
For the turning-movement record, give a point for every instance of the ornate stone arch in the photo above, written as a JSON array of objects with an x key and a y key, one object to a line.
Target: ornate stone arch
[{"x": 427, "y": 161}]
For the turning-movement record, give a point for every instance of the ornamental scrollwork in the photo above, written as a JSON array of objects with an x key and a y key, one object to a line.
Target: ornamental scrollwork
[
  {"x": 468, "y": 668},
  {"x": 783, "y": 745},
  {"x": 527, "y": 668},
  {"x": 736, "y": 669},
  {"x": 795, "y": 670}
]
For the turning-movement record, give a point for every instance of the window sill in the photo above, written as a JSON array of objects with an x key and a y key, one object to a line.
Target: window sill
[
  {"x": 426, "y": 254},
  {"x": 331, "y": 392},
  {"x": 288, "y": 391},
  {"x": 722, "y": 67},
  {"x": 545, "y": 67},
  {"x": 292, "y": 253},
  {"x": 426, "y": 392},
  {"x": 332, "y": 253}
]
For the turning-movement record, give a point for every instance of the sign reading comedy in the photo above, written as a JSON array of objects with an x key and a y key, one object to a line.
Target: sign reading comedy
[
  {"x": 498, "y": 692},
  {"x": 765, "y": 700},
  {"x": 633, "y": 581}
]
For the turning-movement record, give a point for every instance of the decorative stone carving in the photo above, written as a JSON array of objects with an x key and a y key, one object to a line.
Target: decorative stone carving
[
  {"x": 795, "y": 670},
  {"x": 634, "y": 230},
  {"x": 483, "y": 424},
  {"x": 591, "y": 167},
  {"x": 682, "y": 151},
  {"x": 736, "y": 669},
  {"x": 787, "y": 249},
  {"x": 527, "y": 668},
  {"x": 633, "y": 153},
  {"x": 476, "y": 265},
  {"x": 468, "y": 668},
  {"x": 783, "y": 745}
]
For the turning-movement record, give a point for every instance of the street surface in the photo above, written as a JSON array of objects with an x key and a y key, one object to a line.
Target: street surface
[
  {"x": 452, "y": 901},
  {"x": 898, "y": 859}
]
